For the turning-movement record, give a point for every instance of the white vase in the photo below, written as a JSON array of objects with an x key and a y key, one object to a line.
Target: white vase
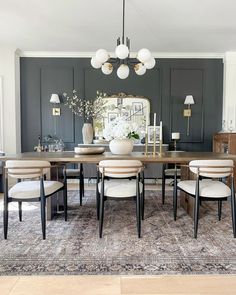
[
  {"x": 87, "y": 132},
  {"x": 121, "y": 146}
]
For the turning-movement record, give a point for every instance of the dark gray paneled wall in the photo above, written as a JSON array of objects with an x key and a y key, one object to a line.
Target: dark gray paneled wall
[{"x": 166, "y": 86}]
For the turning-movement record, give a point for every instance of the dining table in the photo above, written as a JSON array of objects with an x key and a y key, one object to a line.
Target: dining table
[{"x": 168, "y": 157}]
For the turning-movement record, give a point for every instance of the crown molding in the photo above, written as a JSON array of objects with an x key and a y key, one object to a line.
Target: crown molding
[{"x": 75, "y": 54}]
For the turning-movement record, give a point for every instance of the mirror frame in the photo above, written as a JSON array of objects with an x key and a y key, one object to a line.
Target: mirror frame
[{"x": 140, "y": 118}]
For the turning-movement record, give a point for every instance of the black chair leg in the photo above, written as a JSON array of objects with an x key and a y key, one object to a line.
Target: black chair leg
[
  {"x": 138, "y": 215},
  {"x": 43, "y": 217},
  {"x": 82, "y": 178},
  {"x": 163, "y": 183},
  {"x": 196, "y": 216},
  {"x": 98, "y": 204},
  {"x": 65, "y": 202},
  {"x": 142, "y": 205},
  {"x": 163, "y": 189},
  {"x": 80, "y": 192},
  {"x": 20, "y": 210},
  {"x": 82, "y": 183},
  {"x": 219, "y": 209},
  {"x": 233, "y": 209},
  {"x": 5, "y": 220},
  {"x": 175, "y": 198},
  {"x": 101, "y": 213}
]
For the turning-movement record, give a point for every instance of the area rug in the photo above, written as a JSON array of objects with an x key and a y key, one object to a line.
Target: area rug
[{"x": 73, "y": 247}]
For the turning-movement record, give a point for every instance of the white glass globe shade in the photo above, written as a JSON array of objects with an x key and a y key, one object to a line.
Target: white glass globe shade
[
  {"x": 102, "y": 55},
  {"x": 140, "y": 69},
  {"x": 123, "y": 71},
  {"x": 107, "y": 68},
  {"x": 150, "y": 64},
  {"x": 144, "y": 55},
  {"x": 95, "y": 64},
  {"x": 122, "y": 51}
]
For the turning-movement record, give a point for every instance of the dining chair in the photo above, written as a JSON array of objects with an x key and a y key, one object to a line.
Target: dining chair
[
  {"x": 168, "y": 173},
  {"x": 77, "y": 173},
  {"x": 31, "y": 186},
  {"x": 210, "y": 189},
  {"x": 121, "y": 180}
]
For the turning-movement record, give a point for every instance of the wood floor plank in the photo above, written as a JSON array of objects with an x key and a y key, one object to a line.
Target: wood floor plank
[
  {"x": 194, "y": 285},
  {"x": 63, "y": 285},
  {"x": 6, "y": 284}
]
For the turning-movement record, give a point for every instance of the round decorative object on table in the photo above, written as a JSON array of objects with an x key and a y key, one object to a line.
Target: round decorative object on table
[
  {"x": 87, "y": 132},
  {"x": 121, "y": 146},
  {"x": 89, "y": 150}
]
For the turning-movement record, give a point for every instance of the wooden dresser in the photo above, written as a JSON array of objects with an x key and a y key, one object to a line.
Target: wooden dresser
[{"x": 224, "y": 143}]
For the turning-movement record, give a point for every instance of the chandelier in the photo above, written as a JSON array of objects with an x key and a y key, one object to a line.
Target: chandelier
[{"x": 123, "y": 62}]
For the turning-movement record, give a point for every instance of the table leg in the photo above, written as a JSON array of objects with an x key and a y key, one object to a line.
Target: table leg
[
  {"x": 187, "y": 202},
  {"x": 55, "y": 202}
]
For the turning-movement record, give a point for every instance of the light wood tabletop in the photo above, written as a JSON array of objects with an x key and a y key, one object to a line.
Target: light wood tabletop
[{"x": 71, "y": 157}]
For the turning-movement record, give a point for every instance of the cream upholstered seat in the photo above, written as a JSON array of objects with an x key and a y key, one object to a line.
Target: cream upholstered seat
[
  {"x": 207, "y": 188},
  {"x": 120, "y": 188},
  {"x": 210, "y": 189},
  {"x": 124, "y": 181},
  {"x": 32, "y": 187}
]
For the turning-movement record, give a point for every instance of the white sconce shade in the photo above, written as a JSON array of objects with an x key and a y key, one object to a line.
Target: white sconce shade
[
  {"x": 122, "y": 51},
  {"x": 175, "y": 135},
  {"x": 140, "y": 69},
  {"x": 189, "y": 100},
  {"x": 95, "y": 64},
  {"x": 102, "y": 55},
  {"x": 107, "y": 68},
  {"x": 123, "y": 71},
  {"x": 150, "y": 64},
  {"x": 55, "y": 98},
  {"x": 144, "y": 55}
]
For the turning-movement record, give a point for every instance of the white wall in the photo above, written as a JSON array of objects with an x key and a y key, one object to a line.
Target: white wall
[
  {"x": 9, "y": 71},
  {"x": 229, "y": 101}
]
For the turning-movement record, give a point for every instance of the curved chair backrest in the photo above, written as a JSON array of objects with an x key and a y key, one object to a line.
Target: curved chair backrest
[
  {"x": 120, "y": 168},
  {"x": 24, "y": 169},
  {"x": 212, "y": 168}
]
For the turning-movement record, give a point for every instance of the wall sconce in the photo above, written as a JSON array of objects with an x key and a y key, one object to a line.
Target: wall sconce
[
  {"x": 188, "y": 112},
  {"x": 55, "y": 100}
]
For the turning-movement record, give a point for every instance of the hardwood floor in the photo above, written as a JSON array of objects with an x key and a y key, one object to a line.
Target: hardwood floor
[{"x": 118, "y": 285}]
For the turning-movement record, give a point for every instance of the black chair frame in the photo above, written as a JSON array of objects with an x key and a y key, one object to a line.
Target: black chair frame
[
  {"x": 164, "y": 177},
  {"x": 81, "y": 185},
  {"x": 101, "y": 198},
  {"x": 41, "y": 199},
  {"x": 199, "y": 199}
]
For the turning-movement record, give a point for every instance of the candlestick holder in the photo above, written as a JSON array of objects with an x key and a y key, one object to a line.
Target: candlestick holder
[
  {"x": 160, "y": 147},
  {"x": 154, "y": 143},
  {"x": 146, "y": 144}
]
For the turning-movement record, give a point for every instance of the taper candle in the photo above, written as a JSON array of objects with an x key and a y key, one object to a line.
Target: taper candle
[
  {"x": 147, "y": 123},
  {"x": 161, "y": 131},
  {"x": 154, "y": 120}
]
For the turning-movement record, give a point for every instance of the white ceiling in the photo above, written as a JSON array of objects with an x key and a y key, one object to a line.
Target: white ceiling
[{"x": 86, "y": 25}]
